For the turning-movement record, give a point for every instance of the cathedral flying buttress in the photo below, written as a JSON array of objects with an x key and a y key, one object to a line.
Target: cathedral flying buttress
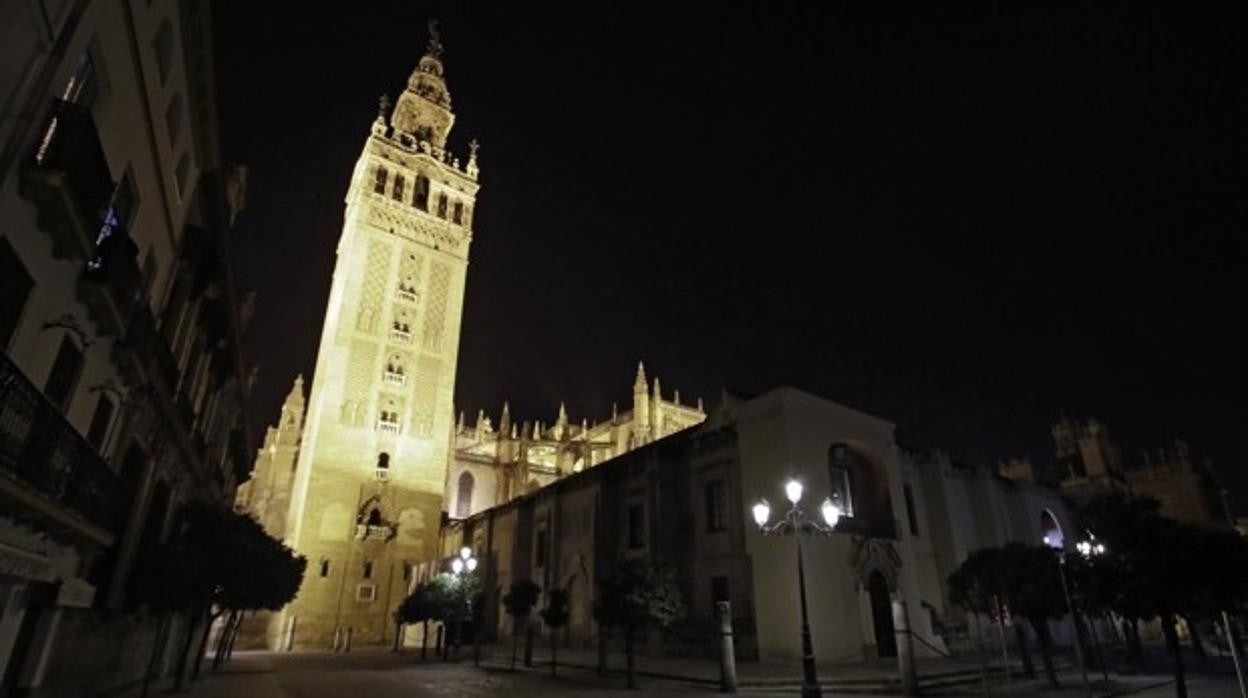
[{"x": 493, "y": 463}]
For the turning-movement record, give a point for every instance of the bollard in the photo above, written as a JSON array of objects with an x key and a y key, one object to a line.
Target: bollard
[
  {"x": 905, "y": 648},
  {"x": 334, "y": 645},
  {"x": 348, "y": 649},
  {"x": 727, "y": 653},
  {"x": 290, "y": 638}
]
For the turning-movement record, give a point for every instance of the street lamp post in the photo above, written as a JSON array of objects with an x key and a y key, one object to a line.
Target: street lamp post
[
  {"x": 1087, "y": 548},
  {"x": 794, "y": 522},
  {"x": 464, "y": 564}
]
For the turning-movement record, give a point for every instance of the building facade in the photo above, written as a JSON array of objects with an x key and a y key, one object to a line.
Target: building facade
[
  {"x": 122, "y": 384},
  {"x": 368, "y": 486},
  {"x": 684, "y": 500}
]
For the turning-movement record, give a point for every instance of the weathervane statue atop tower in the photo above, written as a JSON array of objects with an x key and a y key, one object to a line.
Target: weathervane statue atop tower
[{"x": 434, "y": 47}]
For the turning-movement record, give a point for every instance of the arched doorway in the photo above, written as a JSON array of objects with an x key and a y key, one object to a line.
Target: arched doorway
[{"x": 882, "y": 615}]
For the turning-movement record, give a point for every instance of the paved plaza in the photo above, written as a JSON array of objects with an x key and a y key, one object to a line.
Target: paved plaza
[{"x": 380, "y": 674}]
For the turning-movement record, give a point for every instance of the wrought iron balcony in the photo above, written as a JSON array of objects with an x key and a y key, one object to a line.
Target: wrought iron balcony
[
  {"x": 68, "y": 180},
  {"x": 46, "y": 455}
]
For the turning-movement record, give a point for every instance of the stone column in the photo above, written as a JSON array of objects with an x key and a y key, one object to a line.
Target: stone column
[{"x": 905, "y": 648}]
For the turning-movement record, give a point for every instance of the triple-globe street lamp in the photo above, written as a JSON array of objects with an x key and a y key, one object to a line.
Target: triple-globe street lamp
[
  {"x": 794, "y": 522},
  {"x": 1089, "y": 547},
  {"x": 464, "y": 564}
]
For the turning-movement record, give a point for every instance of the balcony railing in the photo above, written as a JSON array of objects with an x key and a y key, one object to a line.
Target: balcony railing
[
  {"x": 42, "y": 450},
  {"x": 68, "y": 180}
]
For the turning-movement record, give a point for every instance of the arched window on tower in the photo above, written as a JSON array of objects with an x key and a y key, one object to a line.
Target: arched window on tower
[
  {"x": 374, "y": 517},
  {"x": 442, "y": 202},
  {"x": 841, "y": 476},
  {"x": 379, "y": 181},
  {"x": 397, "y": 192},
  {"x": 463, "y": 496},
  {"x": 457, "y": 213},
  {"x": 420, "y": 193}
]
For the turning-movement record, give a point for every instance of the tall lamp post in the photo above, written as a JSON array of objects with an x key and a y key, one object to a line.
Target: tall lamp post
[
  {"x": 464, "y": 564},
  {"x": 1087, "y": 548},
  {"x": 794, "y": 522}
]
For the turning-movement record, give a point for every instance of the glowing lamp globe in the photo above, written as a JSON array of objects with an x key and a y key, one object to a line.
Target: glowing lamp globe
[
  {"x": 831, "y": 512},
  {"x": 472, "y": 564},
  {"x": 457, "y": 565},
  {"x": 793, "y": 490},
  {"x": 762, "y": 512},
  {"x": 465, "y": 553}
]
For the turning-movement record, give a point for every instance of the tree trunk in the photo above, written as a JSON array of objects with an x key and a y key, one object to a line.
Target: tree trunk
[
  {"x": 157, "y": 645},
  {"x": 1041, "y": 627},
  {"x": 602, "y": 650},
  {"x": 1197, "y": 645},
  {"x": 203, "y": 645},
  {"x": 515, "y": 641},
  {"x": 1131, "y": 629},
  {"x": 1172, "y": 643},
  {"x": 628, "y": 657},
  {"x": 224, "y": 640},
  {"x": 192, "y": 620},
  {"x": 1024, "y": 652},
  {"x": 229, "y": 645},
  {"x": 554, "y": 650},
  {"x": 528, "y": 645}
]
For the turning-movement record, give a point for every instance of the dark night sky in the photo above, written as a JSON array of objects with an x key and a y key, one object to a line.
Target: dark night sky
[{"x": 961, "y": 222}]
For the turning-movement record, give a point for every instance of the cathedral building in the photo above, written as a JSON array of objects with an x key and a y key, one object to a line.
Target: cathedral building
[
  {"x": 367, "y": 490},
  {"x": 492, "y": 465},
  {"x": 1088, "y": 463}
]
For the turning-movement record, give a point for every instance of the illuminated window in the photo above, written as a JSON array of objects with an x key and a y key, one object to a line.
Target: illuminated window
[
  {"x": 397, "y": 192},
  {"x": 379, "y": 181}
]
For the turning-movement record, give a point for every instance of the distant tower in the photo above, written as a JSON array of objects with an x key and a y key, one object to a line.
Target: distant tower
[
  {"x": 266, "y": 495},
  {"x": 368, "y": 492}
]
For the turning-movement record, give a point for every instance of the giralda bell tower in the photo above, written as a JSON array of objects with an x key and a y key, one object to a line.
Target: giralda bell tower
[{"x": 371, "y": 473}]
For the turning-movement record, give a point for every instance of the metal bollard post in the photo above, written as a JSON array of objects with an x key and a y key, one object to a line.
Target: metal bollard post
[
  {"x": 727, "y": 653},
  {"x": 348, "y": 649}
]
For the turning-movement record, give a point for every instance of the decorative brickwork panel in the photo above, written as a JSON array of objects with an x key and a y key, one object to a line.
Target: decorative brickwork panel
[
  {"x": 376, "y": 270},
  {"x": 435, "y": 312},
  {"x": 361, "y": 371},
  {"x": 425, "y": 395}
]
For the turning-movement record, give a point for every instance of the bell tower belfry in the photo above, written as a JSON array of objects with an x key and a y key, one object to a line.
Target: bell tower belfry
[{"x": 368, "y": 491}]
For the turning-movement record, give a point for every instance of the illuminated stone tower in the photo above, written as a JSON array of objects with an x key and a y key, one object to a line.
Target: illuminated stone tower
[
  {"x": 372, "y": 469},
  {"x": 266, "y": 495}
]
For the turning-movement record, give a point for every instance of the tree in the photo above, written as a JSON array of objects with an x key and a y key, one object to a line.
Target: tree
[
  {"x": 555, "y": 615},
  {"x": 635, "y": 596},
  {"x": 217, "y": 560},
  {"x": 420, "y": 607},
  {"x": 518, "y": 602},
  {"x": 976, "y": 586},
  {"x": 1025, "y": 576}
]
